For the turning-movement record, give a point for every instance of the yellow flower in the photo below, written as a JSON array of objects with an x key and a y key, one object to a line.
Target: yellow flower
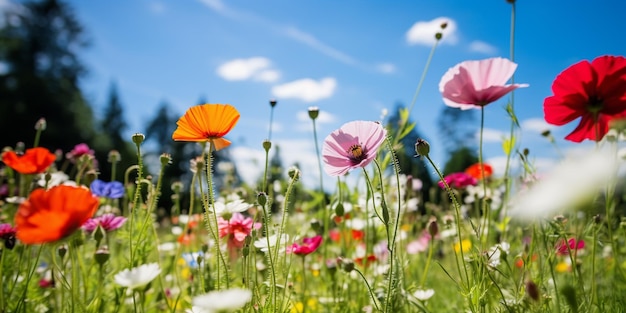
[
  {"x": 563, "y": 267},
  {"x": 298, "y": 307},
  {"x": 466, "y": 243}
]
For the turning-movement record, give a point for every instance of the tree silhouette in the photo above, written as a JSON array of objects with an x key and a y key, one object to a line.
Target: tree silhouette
[
  {"x": 457, "y": 133},
  {"x": 40, "y": 49}
]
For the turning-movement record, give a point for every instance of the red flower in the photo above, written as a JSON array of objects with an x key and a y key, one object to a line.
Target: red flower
[
  {"x": 48, "y": 216},
  {"x": 476, "y": 171},
  {"x": 592, "y": 91},
  {"x": 572, "y": 243},
  {"x": 458, "y": 180},
  {"x": 309, "y": 245},
  {"x": 33, "y": 161}
]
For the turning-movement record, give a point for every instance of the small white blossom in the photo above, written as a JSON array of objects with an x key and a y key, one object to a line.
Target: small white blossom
[
  {"x": 138, "y": 276},
  {"x": 223, "y": 301},
  {"x": 423, "y": 294}
]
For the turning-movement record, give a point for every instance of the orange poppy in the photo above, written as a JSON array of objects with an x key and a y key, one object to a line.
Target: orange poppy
[
  {"x": 33, "y": 161},
  {"x": 207, "y": 122},
  {"x": 476, "y": 171},
  {"x": 48, "y": 216}
]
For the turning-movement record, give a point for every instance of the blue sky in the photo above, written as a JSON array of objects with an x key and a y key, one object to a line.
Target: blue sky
[{"x": 350, "y": 58}]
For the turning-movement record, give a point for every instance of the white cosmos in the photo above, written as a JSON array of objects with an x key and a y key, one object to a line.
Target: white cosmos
[
  {"x": 138, "y": 276},
  {"x": 423, "y": 294},
  {"x": 223, "y": 301},
  {"x": 571, "y": 183},
  {"x": 261, "y": 243}
]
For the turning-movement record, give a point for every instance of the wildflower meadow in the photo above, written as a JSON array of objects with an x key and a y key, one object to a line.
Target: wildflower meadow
[{"x": 366, "y": 239}]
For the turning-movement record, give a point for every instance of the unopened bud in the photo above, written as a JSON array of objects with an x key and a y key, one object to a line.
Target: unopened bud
[
  {"x": 138, "y": 138},
  {"x": 261, "y": 198},
  {"x": 545, "y": 133},
  {"x": 532, "y": 290},
  {"x": 294, "y": 173},
  {"x": 422, "y": 148},
  {"x": 102, "y": 255},
  {"x": 433, "y": 227},
  {"x": 177, "y": 186},
  {"x": 444, "y": 25},
  {"x": 165, "y": 159},
  {"x": 272, "y": 102},
  {"x": 114, "y": 156},
  {"x": 339, "y": 209},
  {"x": 346, "y": 264},
  {"x": 438, "y": 36},
  {"x": 267, "y": 145},
  {"x": 62, "y": 250},
  {"x": 314, "y": 112},
  {"x": 40, "y": 124}
]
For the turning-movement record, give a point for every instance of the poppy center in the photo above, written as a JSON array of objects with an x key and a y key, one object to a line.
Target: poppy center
[
  {"x": 356, "y": 152},
  {"x": 594, "y": 104}
]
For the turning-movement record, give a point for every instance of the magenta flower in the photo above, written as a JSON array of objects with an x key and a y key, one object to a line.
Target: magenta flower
[
  {"x": 572, "y": 243},
  {"x": 459, "y": 180},
  {"x": 108, "y": 222},
  {"x": 237, "y": 229},
  {"x": 309, "y": 245},
  {"x": 80, "y": 150},
  {"x": 352, "y": 145},
  {"x": 473, "y": 84},
  {"x": 7, "y": 234}
]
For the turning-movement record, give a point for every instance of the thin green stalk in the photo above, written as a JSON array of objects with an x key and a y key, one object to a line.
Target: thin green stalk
[
  {"x": 31, "y": 272},
  {"x": 507, "y": 182},
  {"x": 211, "y": 196},
  {"x": 135, "y": 203},
  {"x": 421, "y": 81},
  {"x": 272, "y": 288},
  {"x": 369, "y": 288},
  {"x": 457, "y": 211},
  {"x": 3, "y": 252},
  {"x": 325, "y": 221},
  {"x": 428, "y": 259},
  {"x": 593, "y": 265},
  {"x": 486, "y": 209},
  {"x": 304, "y": 284}
]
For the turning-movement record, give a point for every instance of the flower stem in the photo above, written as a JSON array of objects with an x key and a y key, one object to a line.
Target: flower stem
[
  {"x": 485, "y": 208},
  {"x": 369, "y": 288},
  {"x": 323, "y": 200}
]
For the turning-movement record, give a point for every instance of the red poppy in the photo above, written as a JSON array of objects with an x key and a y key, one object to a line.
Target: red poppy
[
  {"x": 308, "y": 246},
  {"x": 593, "y": 91},
  {"x": 476, "y": 171},
  {"x": 33, "y": 161},
  {"x": 207, "y": 122},
  {"x": 48, "y": 216}
]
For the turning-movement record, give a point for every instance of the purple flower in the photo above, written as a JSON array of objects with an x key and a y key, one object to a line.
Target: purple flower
[
  {"x": 7, "y": 233},
  {"x": 459, "y": 180},
  {"x": 108, "y": 222},
  {"x": 113, "y": 190},
  {"x": 352, "y": 145}
]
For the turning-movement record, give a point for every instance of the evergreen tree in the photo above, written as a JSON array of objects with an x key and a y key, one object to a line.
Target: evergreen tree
[
  {"x": 110, "y": 137},
  {"x": 457, "y": 133},
  {"x": 40, "y": 48}
]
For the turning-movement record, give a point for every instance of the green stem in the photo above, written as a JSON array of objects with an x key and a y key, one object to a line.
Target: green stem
[
  {"x": 457, "y": 211},
  {"x": 325, "y": 221},
  {"x": 428, "y": 259},
  {"x": 486, "y": 209},
  {"x": 304, "y": 302},
  {"x": 369, "y": 288},
  {"x": 135, "y": 204}
]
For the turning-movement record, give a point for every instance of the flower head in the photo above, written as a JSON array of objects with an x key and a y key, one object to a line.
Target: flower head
[
  {"x": 223, "y": 301},
  {"x": 563, "y": 248},
  {"x": 207, "y": 122},
  {"x": 108, "y": 222},
  {"x": 592, "y": 91},
  {"x": 473, "y": 84},
  {"x": 138, "y": 276},
  {"x": 308, "y": 246},
  {"x": 7, "y": 234},
  {"x": 237, "y": 229},
  {"x": 476, "y": 170},
  {"x": 78, "y": 151},
  {"x": 352, "y": 145},
  {"x": 111, "y": 190},
  {"x": 33, "y": 161},
  {"x": 49, "y": 215},
  {"x": 458, "y": 180}
]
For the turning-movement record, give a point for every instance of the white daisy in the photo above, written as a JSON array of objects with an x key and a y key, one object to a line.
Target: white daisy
[
  {"x": 138, "y": 276},
  {"x": 423, "y": 294}
]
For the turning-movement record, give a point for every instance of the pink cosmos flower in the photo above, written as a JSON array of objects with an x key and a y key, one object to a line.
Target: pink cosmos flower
[
  {"x": 572, "y": 243},
  {"x": 79, "y": 150},
  {"x": 108, "y": 222},
  {"x": 309, "y": 245},
  {"x": 237, "y": 229},
  {"x": 473, "y": 84},
  {"x": 352, "y": 145},
  {"x": 459, "y": 180}
]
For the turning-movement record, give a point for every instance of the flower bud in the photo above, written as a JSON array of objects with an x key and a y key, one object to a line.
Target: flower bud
[
  {"x": 532, "y": 290},
  {"x": 294, "y": 173},
  {"x": 99, "y": 234},
  {"x": 314, "y": 112},
  {"x": 165, "y": 159},
  {"x": 444, "y": 25},
  {"x": 261, "y": 198},
  {"x": 346, "y": 264},
  {"x": 62, "y": 250},
  {"x": 204, "y": 248},
  {"x": 138, "y": 138},
  {"x": 272, "y": 102},
  {"x": 267, "y": 145},
  {"x": 339, "y": 209},
  {"x": 40, "y": 124},
  {"x": 114, "y": 156},
  {"x": 422, "y": 148},
  {"x": 433, "y": 227},
  {"x": 438, "y": 36},
  {"x": 102, "y": 255},
  {"x": 177, "y": 186}
]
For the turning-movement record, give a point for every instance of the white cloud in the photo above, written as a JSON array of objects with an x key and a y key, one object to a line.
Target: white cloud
[
  {"x": 306, "y": 89},
  {"x": 423, "y": 32},
  {"x": 216, "y": 5},
  {"x": 491, "y": 135},
  {"x": 386, "y": 68},
  {"x": 256, "y": 68},
  {"x": 536, "y": 125},
  {"x": 482, "y": 47}
]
